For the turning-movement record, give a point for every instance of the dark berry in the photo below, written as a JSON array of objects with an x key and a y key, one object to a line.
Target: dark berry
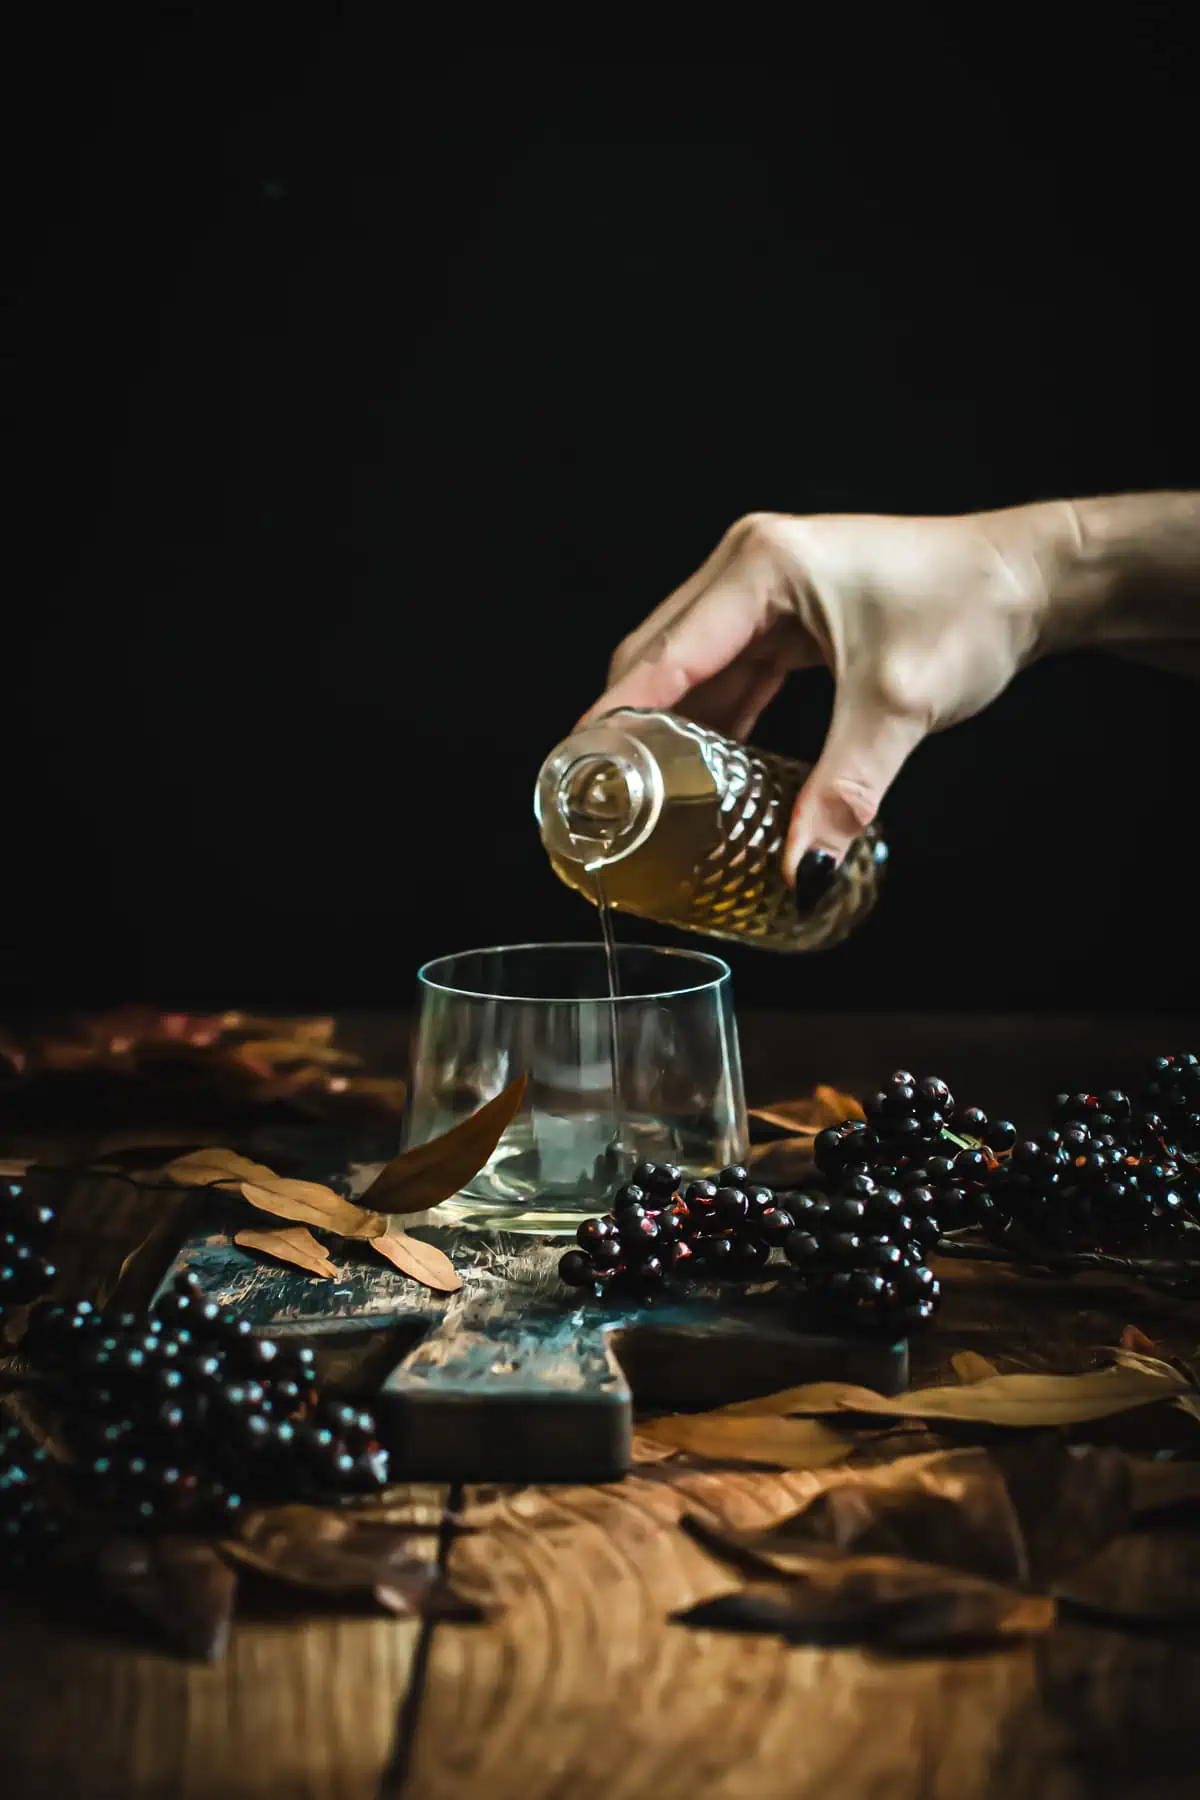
[
  {"x": 607, "y": 1254},
  {"x": 631, "y": 1195},
  {"x": 802, "y": 1249},
  {"x": 749, "y": 1255},
  {"x": 666, "y": 1178},
  {"x": 680, "y": 1258},
  {"x": 973, "y": 1121},
  {"x": 576, "y": 1269},
  {"x": 1001, "y": 1134},
  {"x": 848, "y": 1214},
  {"x": 644, "y": 1174},
  {"x": 730, "y": 1205},
  {"x": 844, "y": 1246},
  {"x": 639, "y": 1237},
  {"x": 934, "y": 1095},
  {"x": 718, "y": 1251},
  {"x": 775, "y": 1224},
  {"x": 866, "y": 1289},
  {"x": 592, "y": 1232}
]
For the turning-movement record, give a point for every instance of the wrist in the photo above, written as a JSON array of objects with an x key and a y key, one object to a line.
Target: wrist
[{"x": 1114, "y": 571}]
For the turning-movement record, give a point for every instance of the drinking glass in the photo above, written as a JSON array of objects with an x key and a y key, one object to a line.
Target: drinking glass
[{"x": 650, "y": 1072}]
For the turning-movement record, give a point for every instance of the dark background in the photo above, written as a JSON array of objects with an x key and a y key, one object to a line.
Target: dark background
[{"x": 372, "y": 391}]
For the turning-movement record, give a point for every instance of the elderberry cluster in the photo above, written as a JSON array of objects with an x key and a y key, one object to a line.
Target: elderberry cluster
[
  {"x": 1114, "y": 1170},
  {"x": 30, "y": 1526},
  {"x": 25, "y": 1268},
  {"x": 857, "y": 1252},
  {"x": 182, "y": 1418}
]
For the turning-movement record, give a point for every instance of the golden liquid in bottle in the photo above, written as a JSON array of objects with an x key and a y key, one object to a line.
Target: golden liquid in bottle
[{"x": 711, "y": 863}]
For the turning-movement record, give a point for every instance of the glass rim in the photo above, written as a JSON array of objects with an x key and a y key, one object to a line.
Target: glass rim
[{"x": 722, "y": 973}]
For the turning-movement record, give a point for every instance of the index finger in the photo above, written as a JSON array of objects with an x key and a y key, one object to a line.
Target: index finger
[{"x": 681, "y": 646}]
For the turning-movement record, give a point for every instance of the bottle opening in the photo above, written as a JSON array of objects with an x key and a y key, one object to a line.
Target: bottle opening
[{"x": 598, "y": 798}]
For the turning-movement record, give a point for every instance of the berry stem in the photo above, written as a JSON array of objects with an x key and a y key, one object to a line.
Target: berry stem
[{"x": 1159, "y": 1272}]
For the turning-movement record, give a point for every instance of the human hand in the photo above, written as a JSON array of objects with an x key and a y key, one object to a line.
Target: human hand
[{"x": 922, "y": 622}]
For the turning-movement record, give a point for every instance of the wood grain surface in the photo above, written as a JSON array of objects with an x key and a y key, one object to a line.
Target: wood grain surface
[{"x": 579, "y": 1685}]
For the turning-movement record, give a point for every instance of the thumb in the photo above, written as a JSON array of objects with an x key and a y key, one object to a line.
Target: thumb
[{"x": 865, "y": 749}]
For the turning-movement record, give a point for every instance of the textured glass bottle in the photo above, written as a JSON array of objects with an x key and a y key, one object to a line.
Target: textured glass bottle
[{"x": 653, "y": 815}]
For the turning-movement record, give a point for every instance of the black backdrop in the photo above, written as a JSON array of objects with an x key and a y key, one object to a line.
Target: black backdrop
[{"x": 373, "y": 390}]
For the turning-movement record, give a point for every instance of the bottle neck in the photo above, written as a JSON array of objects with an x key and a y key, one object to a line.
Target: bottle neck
[{"x": 598, "y": 796}]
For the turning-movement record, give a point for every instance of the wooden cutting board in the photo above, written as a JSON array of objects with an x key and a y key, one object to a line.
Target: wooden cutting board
[{"x": 516, "y": 1378}]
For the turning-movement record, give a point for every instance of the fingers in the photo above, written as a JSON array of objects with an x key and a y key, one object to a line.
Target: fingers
[
  {"x": 865, "y": 750},
  {"x": 696, "y": 644}
]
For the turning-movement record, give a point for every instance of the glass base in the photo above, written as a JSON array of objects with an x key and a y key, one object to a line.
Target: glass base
[{"x": 544, "y": 1217}]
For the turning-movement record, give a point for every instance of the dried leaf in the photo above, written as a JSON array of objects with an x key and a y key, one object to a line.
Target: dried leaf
[
  {"x": 427, "y": 1174},
  {"x": 885, "y": 1602},
  {"x": 313, "y": 1204},
  {"x": 424, "y": 1262},
  {"x": 143, "y": 1269},
  {"x": 267, "y": 1052},
  {"x": 1016, "y": 1400},
  {"x": 293, "y": 1244},
  {"x": 1070, "y": 1499},
  {"x": 949, "y": 1507},
  {"x": 307, "y": 1202},
  {"x": 969, "y": 1366},
  {"x": 1133, "y": 1339},
  {"x": 334, "y": 1552},
  {"x": 806, "y": 1117},
  {"x": 13, "y": 1167},
  {"x": 208, "y": 1168},
  {"x": 182, "y": 1584},
  {"x": 387, "y": 1091},
  {"x": 722, "y": 1437},
  {"x": 308, "y": 1032}
]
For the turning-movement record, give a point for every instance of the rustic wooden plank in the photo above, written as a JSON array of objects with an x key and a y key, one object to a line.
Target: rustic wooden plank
[
  {"x": 580, "y": 1686},
  {"x": 303, "y": 1708}
]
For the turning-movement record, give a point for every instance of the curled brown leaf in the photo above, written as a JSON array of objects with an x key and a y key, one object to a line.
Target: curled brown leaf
[
  {"x": 334, "y": 1552},
  {"x": 886, "y": 1602},
  {"x": 427, "y": 1174},
  {"x": 183, "y": 1585}
]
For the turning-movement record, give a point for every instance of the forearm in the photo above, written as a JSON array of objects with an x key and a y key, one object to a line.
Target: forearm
[{"x": 1120, "y": 574}]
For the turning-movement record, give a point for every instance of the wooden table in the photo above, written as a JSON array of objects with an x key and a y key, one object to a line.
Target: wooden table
[{"x": 578, "y": 1686}]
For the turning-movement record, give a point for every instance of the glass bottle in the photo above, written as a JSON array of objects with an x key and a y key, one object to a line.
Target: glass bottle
[{"x": 649, "y": 814}]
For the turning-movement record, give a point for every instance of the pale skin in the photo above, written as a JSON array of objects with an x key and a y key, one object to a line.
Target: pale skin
[{"x": 922, "y": 622}]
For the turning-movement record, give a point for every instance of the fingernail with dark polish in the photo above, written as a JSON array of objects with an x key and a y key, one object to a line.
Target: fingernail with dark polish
[{"x": 815, "y": 876}]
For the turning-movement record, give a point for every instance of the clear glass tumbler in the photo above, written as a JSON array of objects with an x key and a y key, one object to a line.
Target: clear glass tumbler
[{"x": 653, "y": 1072}]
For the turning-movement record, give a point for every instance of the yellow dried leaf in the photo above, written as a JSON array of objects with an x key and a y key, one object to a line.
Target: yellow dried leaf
[
  {"x": 313, "y": 1204},
  {"x": 424, "y": 1262},
  {"x": 207, "y": 1168},
  {"x": 1018, "y": 1400},
  {"x": 969, "y": 1366},
  {"x": 293, "y": 1244},
  {"x": 784, "y": 1443}
]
